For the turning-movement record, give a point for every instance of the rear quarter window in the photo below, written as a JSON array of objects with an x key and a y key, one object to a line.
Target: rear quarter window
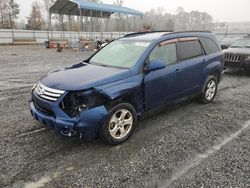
[
  {"x": 189, "y": 49},
  {"x": 209, "y": 46}
]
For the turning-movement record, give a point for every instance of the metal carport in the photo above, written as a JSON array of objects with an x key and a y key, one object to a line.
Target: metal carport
[{"x": 84, "y": 8}]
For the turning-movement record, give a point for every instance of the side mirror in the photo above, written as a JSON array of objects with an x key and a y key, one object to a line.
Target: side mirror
[{"x": 156, "y": 65}]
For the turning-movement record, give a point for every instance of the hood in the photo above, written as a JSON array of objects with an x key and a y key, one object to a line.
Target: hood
[
  {"x": 83, "y": 76},
  {"x": 245, "y": 51}
]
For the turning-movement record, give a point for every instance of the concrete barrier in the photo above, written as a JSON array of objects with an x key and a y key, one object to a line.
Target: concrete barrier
[{"x": 8, "y": 36}]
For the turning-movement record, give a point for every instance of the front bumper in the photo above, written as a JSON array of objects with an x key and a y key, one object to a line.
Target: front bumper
[
  {"x": 87, "y": 125},
  {"x": 238, "y": 65}
]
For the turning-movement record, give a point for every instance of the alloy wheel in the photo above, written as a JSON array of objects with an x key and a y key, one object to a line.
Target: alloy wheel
[
  {"x": 210, "y": 90},
  {"x": 120, "y": 123}
]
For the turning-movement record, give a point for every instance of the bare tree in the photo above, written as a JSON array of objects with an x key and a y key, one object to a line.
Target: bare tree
[
  {"x": 170, "y": 24},
  {"x": 159, "y": 20},
  {"x": 13, "y": 12},
  {"x": 9, "y": 11},
  {"x": 160, "y": 10},
  {"x": 35, "y": 20},
  {"x": 119, "y": 3},
  {"x": 2, "y": 8},
  {"x": 94, "y": 21},
  {"x": 47, "y": 5},
  {"x": 182, "y": 20},
  {"x": 119, "y": 18}
]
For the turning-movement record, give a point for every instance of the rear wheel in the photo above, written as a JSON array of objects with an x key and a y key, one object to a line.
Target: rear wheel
[
  {"x": 209, "y": 89},
  {"x": 120, "y": 124}
]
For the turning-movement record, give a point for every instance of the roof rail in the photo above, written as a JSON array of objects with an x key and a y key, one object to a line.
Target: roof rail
[
  {"x": 195, "y": 31},
  {"x": 146, "y": 32}
]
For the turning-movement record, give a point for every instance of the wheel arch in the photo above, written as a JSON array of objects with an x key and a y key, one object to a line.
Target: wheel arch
[
  {"x": 214, "y": 69},
  {"x": 215, "y": 73},
  {"x": 131, "y": 93}
]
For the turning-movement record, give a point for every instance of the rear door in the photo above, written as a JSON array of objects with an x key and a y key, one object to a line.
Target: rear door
[{"x": 191, "y": 60}]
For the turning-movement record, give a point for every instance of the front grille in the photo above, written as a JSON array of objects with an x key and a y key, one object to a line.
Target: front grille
[
  {"x": 48, "y": 93},
  {"x": 233, "y": 58},
  {"x": 45, "y": 111}
]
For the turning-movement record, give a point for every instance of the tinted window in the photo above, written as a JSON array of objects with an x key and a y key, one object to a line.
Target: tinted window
[
  {"x": 189, "y": 49},
  {"x": 209, "y": 46},
  {"x": 165, "y": 53}
]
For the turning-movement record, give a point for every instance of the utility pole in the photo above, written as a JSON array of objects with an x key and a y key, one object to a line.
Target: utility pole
[{"x": 226, "y": 30}]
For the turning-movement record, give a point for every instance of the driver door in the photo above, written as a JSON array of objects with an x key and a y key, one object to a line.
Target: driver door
[{"x": 160, "y": 84}]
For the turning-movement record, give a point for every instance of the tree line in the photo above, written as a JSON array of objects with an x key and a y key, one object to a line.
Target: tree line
[
  {"x": 155, "y": 19},
  {"x": 9, "y": 11},
  {"x": 160, "y": 20}
]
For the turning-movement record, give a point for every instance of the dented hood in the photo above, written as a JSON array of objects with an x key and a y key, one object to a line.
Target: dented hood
[{"x": 83, "y": 76}]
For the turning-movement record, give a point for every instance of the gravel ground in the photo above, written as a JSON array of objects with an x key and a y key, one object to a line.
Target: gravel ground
[{"x": 192, "y": 145}]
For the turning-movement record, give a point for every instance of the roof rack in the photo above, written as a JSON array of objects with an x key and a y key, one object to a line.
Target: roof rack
[
  {"x": 146, "y": 32},
  {"x": 195, "y": 31},
  {"x": 165, "y": 32}
]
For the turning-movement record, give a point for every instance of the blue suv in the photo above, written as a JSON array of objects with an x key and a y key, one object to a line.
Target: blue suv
[{"x": 106, "y": 94}]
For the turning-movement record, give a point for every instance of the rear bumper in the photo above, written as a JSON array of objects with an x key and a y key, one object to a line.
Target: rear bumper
[{"x": 87, "y": 125}]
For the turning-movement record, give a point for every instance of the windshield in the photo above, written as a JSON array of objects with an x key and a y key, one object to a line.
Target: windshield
[
  {"x": 242, "y": 43},
  {"x": 123, "y": 54}
]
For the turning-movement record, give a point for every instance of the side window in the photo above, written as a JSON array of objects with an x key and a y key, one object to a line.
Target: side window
[
  {"x": 165, "y": 53},
  {"x": 189, "y": 49},
  {"x": 209, "y": 46}
]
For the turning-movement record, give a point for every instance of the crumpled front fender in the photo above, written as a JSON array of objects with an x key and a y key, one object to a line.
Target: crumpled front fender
[
  {"x": 91, "y": 121},
  {"x": 120, "y": 90}
]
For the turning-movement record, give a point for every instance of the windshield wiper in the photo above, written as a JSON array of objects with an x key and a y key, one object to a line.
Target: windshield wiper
[
  {"x": 236, "y": 46},
  {"x": 102, "y": 65},
  {"x": 99, "y": 64}
]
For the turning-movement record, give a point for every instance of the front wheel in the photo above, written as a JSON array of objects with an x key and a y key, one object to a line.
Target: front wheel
[
  {"x": 120, "y": 124},
  {"x": 209, "y": 90}
]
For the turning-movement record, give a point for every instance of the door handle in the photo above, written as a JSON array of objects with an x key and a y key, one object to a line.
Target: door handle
[{"x": 178, "y": 70}]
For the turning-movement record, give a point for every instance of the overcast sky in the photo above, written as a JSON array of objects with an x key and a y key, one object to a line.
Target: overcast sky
[{"x": 221, "y": 10}]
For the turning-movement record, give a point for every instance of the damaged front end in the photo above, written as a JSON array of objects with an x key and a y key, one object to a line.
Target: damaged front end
[
  {"x": 74, "y": 113},
  {"x": 89, "y": 108},
  {"x": 76, "y": 102}
]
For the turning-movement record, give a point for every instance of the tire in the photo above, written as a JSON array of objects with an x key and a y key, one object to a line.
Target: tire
[
  {"x": 120, "y": 124},
  {"x": 209, "y": 89}
]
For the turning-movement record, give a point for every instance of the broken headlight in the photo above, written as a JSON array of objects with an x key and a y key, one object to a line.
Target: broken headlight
[{"x": 76, "y": 102}]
